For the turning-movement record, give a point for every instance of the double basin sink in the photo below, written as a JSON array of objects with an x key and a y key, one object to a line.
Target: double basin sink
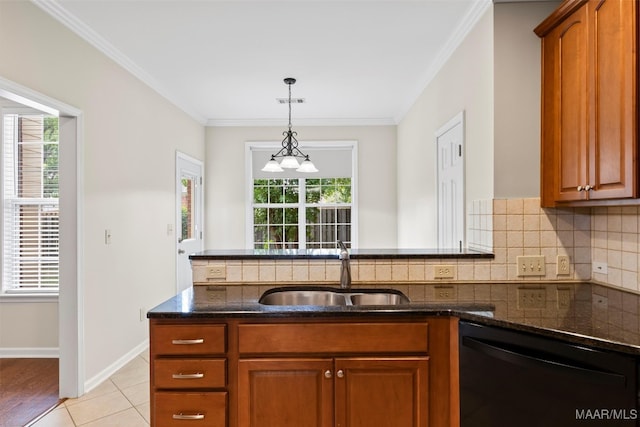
[{"x": 324, "y": 296}]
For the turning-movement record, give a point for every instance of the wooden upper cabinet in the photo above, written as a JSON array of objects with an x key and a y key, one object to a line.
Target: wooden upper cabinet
[
  {"x": 589, "y": 101},
  {"x": 613, "y": 118}
]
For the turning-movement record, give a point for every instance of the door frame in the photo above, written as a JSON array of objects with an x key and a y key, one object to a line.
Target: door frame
[
  {"x": 180, "y": 156},
  {"x": 71, "y": 294}
]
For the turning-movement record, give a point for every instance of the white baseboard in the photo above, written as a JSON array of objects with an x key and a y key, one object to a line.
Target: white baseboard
[
  {"x": 98, "y": 379},
  {"x": 30, "y": 353}
]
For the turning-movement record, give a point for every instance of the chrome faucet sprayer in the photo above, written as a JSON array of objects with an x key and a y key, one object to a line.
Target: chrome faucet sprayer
[{"x": 345, "y": 266}]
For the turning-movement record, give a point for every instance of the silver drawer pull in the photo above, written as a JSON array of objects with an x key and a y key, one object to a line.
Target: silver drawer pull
[
  {"x": 188, "y": 342},
  {"x": 188, "y": 417},
  {"x": 181, "y": 376}
]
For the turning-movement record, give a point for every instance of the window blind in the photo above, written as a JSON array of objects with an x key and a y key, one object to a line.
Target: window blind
[{"x": 30, "y": 203}]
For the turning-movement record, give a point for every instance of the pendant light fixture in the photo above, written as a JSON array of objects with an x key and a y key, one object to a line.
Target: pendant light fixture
[{"x": 290, "y": 153}]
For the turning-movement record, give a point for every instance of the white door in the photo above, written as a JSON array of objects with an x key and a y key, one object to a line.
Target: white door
[
  {"x": 450, "y": 146},
  {"x": 189, "y": 216}
]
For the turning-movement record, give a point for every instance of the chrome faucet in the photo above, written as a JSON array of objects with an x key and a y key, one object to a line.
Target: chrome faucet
[{"x": 345, "y": 266}]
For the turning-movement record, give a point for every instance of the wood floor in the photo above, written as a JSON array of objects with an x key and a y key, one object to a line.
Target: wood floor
[{"x": 28, "y": 388}]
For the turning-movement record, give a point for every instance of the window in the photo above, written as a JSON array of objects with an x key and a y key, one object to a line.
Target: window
[
  {"x": 291, "y": 210},
  {"x": 301, "y": 213},
  {"x": 30, "y": 203}
]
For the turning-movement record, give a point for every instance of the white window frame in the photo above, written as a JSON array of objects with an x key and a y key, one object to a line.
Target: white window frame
[
  {"x": 316, "y": 145},
  {"x": 9, "y": 205}
]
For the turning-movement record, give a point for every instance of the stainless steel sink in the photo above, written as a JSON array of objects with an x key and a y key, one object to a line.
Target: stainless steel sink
[
  {"x": 302, "y": 297},
  {"x": 332, "y": 297},
  {"x": 379, "y": 298}
]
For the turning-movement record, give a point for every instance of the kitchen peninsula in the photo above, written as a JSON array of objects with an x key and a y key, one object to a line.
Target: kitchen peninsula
[{"x": 255, "y": 347}]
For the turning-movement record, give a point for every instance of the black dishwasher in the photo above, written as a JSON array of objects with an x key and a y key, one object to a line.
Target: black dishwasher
[{"x": 512, "y": 378}]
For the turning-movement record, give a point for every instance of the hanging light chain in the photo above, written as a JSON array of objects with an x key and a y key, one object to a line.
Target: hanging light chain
[{"x": 289, "y": 150}]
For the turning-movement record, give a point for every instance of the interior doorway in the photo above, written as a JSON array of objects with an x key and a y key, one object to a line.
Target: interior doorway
[
  {"x": 450, "y": 167},
  {"x": 189, "y": 216},
  {"x": 70, "y": 306}
]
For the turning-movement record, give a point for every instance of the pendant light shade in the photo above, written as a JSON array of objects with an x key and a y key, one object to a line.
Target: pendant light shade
[
  {"x": 289, "y": 162},
  {"x": 272, "y": 166},
  {"x": 307, "y": 166},
  {"x": 290, "y": 153}
]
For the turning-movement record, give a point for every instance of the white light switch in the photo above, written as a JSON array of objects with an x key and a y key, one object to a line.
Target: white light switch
[{"x": 532, "y": 265}]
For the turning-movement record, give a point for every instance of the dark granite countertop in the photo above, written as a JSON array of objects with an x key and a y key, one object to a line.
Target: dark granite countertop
[
  {"x": 258, "y": 254},
  {"x": 186, "y": 305}
]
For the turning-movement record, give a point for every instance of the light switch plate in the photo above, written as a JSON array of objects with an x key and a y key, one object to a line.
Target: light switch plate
[
  {"x": 532, "y": 298},
  {"x": 532, "y": 265}
]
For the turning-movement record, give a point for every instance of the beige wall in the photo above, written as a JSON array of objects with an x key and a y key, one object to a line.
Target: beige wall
[
  {"x": 28, "y": 328},
  {"x": 225, "y": 182},
  {"x": 517, "y": 98},
  {"x": 131, "y": 135},
  {"x": 464, "y": 83}
]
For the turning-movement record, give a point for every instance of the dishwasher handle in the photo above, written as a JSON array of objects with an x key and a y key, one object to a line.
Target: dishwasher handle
[{"x": 529, "y": 361}]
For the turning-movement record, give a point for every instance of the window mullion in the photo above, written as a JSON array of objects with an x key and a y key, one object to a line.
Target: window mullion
[{"x": 302, "y": 213}]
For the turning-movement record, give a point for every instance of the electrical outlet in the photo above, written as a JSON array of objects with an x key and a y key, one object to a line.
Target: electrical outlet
[
  {"x": 532, "y": 265},
  {"x": 563, "y": 265},
  {"x": 444, "y": 271},
  {"x": 532, "y": 298},
  {"x": 564, "y": 298},
  {"x": 445, "y": 293},
  {"x": 217, "y": 271},
  {"x": 143, "y": 314}
]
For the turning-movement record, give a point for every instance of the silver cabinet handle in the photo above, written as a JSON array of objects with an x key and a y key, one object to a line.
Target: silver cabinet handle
[
  {"x": 180, "y": 251},
  {"x": 580, "y": 188},
  {"x": 188, "y": 342},
  {"x": 195, "y": 376},
  {"x": 340, "y": 373},
  {"x": 328, "y": 374},
  {"x": 588, "y": 187},
  {"x": 188, "y": 417}
]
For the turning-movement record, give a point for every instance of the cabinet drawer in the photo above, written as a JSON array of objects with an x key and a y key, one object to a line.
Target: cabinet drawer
[
  {"x": 190, "y": 409},
  {"x": 188, "y": 339},
  {"x": 333, "y": 338},
  {"x": 190, "y": 373}
]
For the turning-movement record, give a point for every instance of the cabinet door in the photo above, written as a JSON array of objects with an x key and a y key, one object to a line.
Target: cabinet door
[
  {"x": 285, "y": 393},
  {"x": 391, "y": 392},
  {"x": 565, "y": 140},
  {"x": 613, "y": 116}
]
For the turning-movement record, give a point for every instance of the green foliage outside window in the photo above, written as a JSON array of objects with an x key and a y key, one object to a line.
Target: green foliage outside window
[
  {"x": 50, "y": 158},
  {"x": 276, "y": 212}
]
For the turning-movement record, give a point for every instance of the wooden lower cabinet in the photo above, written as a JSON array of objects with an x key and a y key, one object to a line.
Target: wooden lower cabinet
[
  {"x": 206, "y": 409},
  {"x": 341, "y": 392},
  {"x": 383, "y": 392},
  {"x": 188, "y": 373},
  {"x": 285, "y": 392},
  {"x": 237, "y": 372}
]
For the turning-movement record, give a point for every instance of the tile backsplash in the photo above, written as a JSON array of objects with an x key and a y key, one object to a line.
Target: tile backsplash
[
  {"x": 511, "y": 227},
  {"x": 614, "y": 237}
]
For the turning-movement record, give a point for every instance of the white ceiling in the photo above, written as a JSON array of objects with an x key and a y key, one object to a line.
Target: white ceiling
[{"x": 223, "y": 62}]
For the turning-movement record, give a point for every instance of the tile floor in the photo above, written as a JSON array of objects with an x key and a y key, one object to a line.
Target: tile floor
[{"x": 122, "y": 400}]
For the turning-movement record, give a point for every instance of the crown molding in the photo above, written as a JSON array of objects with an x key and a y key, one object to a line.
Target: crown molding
[
  {"x": 466, "y": 25},
  {"x": 60, "y": 14},
  {"x": 299, "y": 122}
]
